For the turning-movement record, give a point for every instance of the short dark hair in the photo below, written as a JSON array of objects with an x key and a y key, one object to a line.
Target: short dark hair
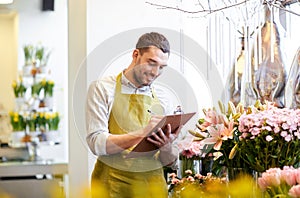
[{"x": 153, "y": 39}]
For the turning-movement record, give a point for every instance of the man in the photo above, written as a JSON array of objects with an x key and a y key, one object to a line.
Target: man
[{"x": 119, "y": 114}]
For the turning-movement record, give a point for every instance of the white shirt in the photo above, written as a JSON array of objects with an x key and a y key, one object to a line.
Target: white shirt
[{"x": 99, "y": 103}]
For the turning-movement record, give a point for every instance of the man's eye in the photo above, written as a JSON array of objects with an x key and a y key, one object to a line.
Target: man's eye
[{"x": 152, "y": 64}]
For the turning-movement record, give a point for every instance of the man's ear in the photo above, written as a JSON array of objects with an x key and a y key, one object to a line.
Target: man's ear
[{"x": 135, "y": 53}]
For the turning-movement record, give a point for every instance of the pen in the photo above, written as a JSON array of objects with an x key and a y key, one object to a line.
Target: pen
[{"x": 149, "y": 111}]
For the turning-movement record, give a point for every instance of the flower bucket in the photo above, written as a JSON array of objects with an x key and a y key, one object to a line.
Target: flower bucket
[
  {"x": 27, "y": 70},
  {"x": 16, "y": 139},
  {"x": 19, "y": 103},
  {"x": 43, "y": 69},
  {"x": 49, "y": 102},
  {"x": 52, "y": 136}
]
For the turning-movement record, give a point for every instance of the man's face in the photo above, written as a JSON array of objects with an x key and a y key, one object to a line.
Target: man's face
[{"x": 149, "y": 66}]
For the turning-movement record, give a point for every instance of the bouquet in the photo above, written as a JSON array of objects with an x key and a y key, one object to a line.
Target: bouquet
[
  {"x": 221, "y": 136},
  {"x": 52, "y": 119},
  {"x": 41, "y": 55},
  {"x": 17, "y": 121},
  {"x": 276, "y": 182},
  {"x": 41, "y": 121},
  {"x": 270, "y": 137},
  {"x": 28, "y": 54},
  {"x": 47, "y": 85},
  {"x": 190, "y": 154},
  {"x": 36, "y": 89},
  {"x": 19, "y": 88},
  {"x": 31, "y": 122}
]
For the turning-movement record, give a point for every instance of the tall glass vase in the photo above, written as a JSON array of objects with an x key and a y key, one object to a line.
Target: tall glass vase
[
  {"x": 292, "y": 88},
  {"x": 269, "y": 78},
  {"x": 235, "y": 77}
]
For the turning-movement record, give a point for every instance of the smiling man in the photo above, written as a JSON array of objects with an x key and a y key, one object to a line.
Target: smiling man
[{"x": 117, "y": 119}]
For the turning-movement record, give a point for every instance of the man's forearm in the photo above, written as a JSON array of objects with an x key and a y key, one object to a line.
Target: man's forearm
[{"x": 118, "y": 143}]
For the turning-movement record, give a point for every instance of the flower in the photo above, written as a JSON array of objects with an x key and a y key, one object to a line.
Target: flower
[
  {"x": 41, "y": 121},
  {"x": 28, "y": 54},
  {"x": 276, "y": 182},
  {"x": 219, "y": 130},
  {"x": 36, "y": 55},
  {"x": 49, "y": 88},
  {"x": 17, "y": 121},
  {"x": 52, "y": 119},
  {"x": 45, "y": 85},
  {"x": 196, "y": 184},
  {"x": 31, "y": 121},
  {"x": 270, "y": 137},
  {"x": 36, "y": 89},
  {"x": 19, "y": 88},
  {"x": 41, "y": 55}
]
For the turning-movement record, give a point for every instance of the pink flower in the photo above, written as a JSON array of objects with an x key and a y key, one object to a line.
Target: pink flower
[
  {"x": 269, "y": 138},
  {"x": 288, "y": 174},
  {"x": 228, "y": 131},
  {"x": 262, "y": 183},
  {"x": 188, "y": 153},
  {"x": 175, "y": 180},
  {"x": 271, "y": 177},
  {"x": 297, "y": 134},
  {"x": 196, "y": 147},
  {"x": 283, "y": 133},
  {"x": 211, "y": 118},
  {"x": 190, "y": 178},
  {"x": 295, "y": 191},
  {"x": 288, "y": 138},
  {"x": 216, "y": 134},
  {"x": 297, "y": 173},
  {"x": 188, "y": 172},
  {"x": 198, "y": 176},
  {"x": 172, "y": 175}
]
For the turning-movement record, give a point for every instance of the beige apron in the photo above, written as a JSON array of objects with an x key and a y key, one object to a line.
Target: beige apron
[{"x": 119, "y": 177}]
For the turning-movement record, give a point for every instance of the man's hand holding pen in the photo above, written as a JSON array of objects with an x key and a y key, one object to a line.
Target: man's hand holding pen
[{"x": 162, "y": 138}]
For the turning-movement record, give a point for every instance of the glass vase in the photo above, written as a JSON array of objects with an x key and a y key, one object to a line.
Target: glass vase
[
  {"x": 188, "y": 163},
  {"x": 233, "y": 173},
  {"x": 269, "y": 78},
  {"x": 292, "y": 88}
]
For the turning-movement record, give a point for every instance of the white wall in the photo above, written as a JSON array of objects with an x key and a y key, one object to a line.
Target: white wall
[{"x": 112, "y": 20}]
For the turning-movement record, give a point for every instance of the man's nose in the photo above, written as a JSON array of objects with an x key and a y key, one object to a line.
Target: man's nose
[{"x": 155, "y": 71}]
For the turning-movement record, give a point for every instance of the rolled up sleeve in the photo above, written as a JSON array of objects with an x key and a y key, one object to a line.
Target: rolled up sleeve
[{"x": 97, "y": 115}]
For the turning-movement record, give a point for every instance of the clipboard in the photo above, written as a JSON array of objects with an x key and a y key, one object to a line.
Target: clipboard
[{"x": 144, "y": 147}]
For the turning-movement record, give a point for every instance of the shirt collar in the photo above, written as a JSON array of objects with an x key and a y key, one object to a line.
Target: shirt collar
[{"x": 126, "y": 82}]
